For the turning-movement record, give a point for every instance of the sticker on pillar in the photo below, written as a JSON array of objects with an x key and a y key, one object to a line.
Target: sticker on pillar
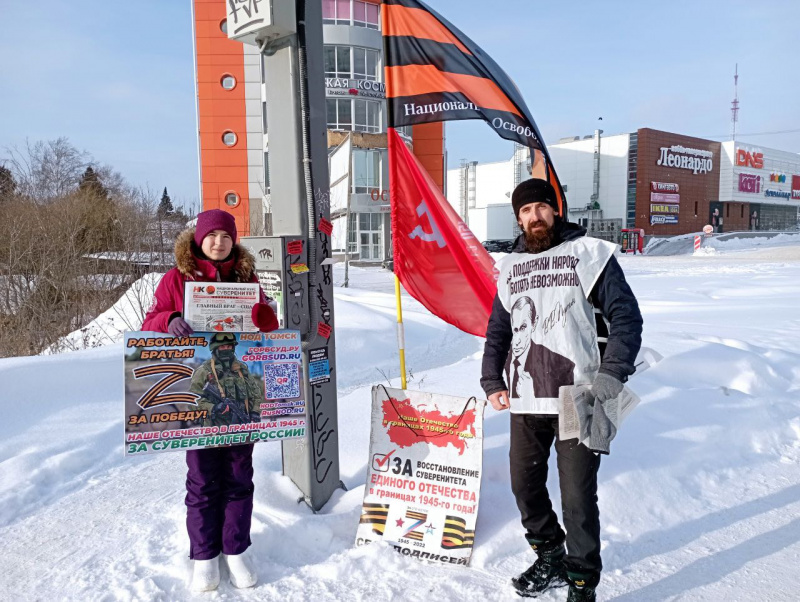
[
  {"x": 324, "y": 330},
  {"x": 294, "y": 247},
  {"x": 319, "y": 368},
  {"x": 298, "y": 268},
  {"x": 325, "y": 226}
]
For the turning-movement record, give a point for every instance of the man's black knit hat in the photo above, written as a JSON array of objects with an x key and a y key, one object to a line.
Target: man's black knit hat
[{"x": 533, "y": 191}]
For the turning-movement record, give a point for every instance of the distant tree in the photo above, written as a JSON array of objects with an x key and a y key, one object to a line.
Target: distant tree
[
  {"x": 90, "y": 183},
  {"x": 44, "y": 171},
  {"x": 100, "y": 230},
  {"x": 165, "y": 208},
  {"x": 7, "y": 184}
]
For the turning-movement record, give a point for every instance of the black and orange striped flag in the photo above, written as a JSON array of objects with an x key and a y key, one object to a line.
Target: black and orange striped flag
[{"x": 436, "y": 73}]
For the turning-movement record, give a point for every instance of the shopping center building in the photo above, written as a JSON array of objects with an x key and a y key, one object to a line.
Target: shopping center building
[
  {"x": 661, "y": 182},
  {"x": 232, "y": 124}
]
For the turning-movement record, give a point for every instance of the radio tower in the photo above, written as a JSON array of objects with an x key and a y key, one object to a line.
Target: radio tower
[{"x": 735, "y": 103}]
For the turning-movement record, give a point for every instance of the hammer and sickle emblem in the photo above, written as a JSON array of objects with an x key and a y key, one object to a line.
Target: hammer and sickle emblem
[{"x": 418, "y": 232}]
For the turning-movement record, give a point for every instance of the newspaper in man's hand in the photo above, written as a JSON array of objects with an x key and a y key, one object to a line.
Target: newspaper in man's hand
[{"x": 569, "y": 422}]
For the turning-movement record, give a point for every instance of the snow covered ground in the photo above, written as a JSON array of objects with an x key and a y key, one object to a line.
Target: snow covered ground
[{"x": 700, "y": 497}]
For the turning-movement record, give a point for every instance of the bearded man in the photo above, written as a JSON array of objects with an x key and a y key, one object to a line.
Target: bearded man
[{"x": 583, "y": 319}]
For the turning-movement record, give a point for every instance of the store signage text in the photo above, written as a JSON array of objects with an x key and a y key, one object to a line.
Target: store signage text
[
  {"x": 379, "y": 195},
  {"x": 664, "y": 187},
  {"x": 337, "y": 86},
  {"x": 778, "y": 178},
  {"x": 661, "y": 208},
  {"x": 658, "y": 197},
  {"x": 748, "y": 159},
  {"x": 663, "y": 219},
  {"x": 796, "y": 187},
  {"x": 749, "y": 182},
  {"x": 781, "y": 194},
  {"x": 699, "y": 161}
]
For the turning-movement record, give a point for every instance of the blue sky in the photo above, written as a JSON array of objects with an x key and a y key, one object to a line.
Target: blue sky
[{"x": 117, "y": 78}]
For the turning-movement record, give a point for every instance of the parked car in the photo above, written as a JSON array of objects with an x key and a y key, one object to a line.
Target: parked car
[{"x": 498, "y": 245}]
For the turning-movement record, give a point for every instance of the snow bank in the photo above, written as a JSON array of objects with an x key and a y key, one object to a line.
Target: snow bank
[{"x": 699, "y": 499}]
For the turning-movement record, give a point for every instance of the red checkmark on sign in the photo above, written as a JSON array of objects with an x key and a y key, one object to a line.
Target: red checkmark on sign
[{"x": 380, "y": 462}]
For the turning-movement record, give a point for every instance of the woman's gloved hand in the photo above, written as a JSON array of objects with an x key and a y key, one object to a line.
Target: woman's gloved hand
[
  {"x": 264, "y": 318},
  {"x": 178, "y": 327}
]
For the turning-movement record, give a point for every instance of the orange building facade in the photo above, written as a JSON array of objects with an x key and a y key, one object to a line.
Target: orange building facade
[{"x": 232, "y": 124}]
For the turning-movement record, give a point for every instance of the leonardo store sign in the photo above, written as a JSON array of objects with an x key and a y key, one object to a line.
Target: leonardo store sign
[
  {"x": 698, "y": 161},
  {"x": 366, "y": 88},
  {"x": 779, "y": 194}
]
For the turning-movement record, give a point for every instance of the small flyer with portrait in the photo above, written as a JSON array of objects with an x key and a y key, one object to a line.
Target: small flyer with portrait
[{"x": 220, "y": 306}]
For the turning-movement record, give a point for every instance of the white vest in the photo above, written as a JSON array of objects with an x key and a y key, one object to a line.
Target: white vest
[{"x": 552, "y": 320}]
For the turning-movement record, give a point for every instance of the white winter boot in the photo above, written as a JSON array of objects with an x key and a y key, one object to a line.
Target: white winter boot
[
  {"x": 205, "y": 577},
  {"x": 243, "y": 574}
]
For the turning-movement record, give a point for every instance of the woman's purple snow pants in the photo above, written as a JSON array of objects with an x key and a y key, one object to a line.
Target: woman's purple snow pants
[{"x": 219, "y": 500}]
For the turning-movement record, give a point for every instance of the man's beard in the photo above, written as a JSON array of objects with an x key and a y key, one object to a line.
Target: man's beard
[{"x": 540, "y": 239}]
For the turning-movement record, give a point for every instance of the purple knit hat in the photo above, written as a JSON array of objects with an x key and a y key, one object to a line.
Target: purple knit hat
[{"x": 214, "y": 219}]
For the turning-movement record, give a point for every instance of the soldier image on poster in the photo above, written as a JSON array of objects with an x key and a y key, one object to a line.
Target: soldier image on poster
[{"x": 227, "y": 390}]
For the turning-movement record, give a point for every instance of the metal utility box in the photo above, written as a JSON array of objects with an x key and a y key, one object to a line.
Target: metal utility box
[
  {"x": 282, "y": 268},
  {"x": 255, "y": 21}
]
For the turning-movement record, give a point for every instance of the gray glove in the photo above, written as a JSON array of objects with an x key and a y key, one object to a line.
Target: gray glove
[
  {"x": 606, "y": 387},
  {"x": 602, "y": 431},
  {"x": 584, "y": 407}
]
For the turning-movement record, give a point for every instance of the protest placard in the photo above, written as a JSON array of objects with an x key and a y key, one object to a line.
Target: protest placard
[
  {"x": 211, "y": 389},
  {"x": 423, "y": 474}
]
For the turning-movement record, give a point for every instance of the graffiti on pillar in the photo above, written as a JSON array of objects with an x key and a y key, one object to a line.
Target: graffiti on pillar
[
  {"x": 295, "y": 291},
  {"x": 322, "y": 427}
]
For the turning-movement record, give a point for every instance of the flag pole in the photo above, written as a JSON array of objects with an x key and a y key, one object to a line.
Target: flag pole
[{"x": 401, "y": 342}]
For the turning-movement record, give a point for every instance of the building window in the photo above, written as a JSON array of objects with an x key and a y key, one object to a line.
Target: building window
[
  {"x": 352, "y": 63},
  {"x": 351, "y": 12},
  {"x": 368, "y": 116},
  {"x": 337, "y": 62},
  {"x": 352, "y": 235},
  {"x": 370, "y": 236},
  {"x": 365, "y": 64},
  {"x": 365, "y": 14},
  {"x": 366, "y": 170},
  {"x": 354, "y": 114},
  {"x": 340, "y": 113},
  {"x": 336, "y": 12},
  {"x": 228, "y": 138},
  {"x": 231, "y": 199},
  {"x": 228, "y": 82}
]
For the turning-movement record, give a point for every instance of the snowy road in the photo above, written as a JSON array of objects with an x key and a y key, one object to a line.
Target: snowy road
[{"x": 700, "y": 497}]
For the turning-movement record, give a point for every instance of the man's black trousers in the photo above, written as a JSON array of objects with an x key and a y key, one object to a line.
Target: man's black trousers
[{"x": 531, "y": 438}]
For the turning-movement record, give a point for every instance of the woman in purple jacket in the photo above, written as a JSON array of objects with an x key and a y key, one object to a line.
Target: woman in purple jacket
[{"x": 219, "y": 483}]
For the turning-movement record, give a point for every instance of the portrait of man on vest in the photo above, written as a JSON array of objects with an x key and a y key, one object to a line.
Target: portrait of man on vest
[
  {"x": 227, "y": 390},
  {"x": 528, "y": 361}
]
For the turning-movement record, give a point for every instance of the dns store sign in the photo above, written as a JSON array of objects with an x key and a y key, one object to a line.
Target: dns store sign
[{"x": 745, "y": 158}]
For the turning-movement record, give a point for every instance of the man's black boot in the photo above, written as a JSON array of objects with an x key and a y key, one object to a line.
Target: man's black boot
[
  {"x": 546, "y": 573},
  {"x": 581, "y": 587}
]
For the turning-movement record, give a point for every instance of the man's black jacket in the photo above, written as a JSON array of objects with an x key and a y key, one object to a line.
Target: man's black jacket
[{"x": 611, "y": 295}]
